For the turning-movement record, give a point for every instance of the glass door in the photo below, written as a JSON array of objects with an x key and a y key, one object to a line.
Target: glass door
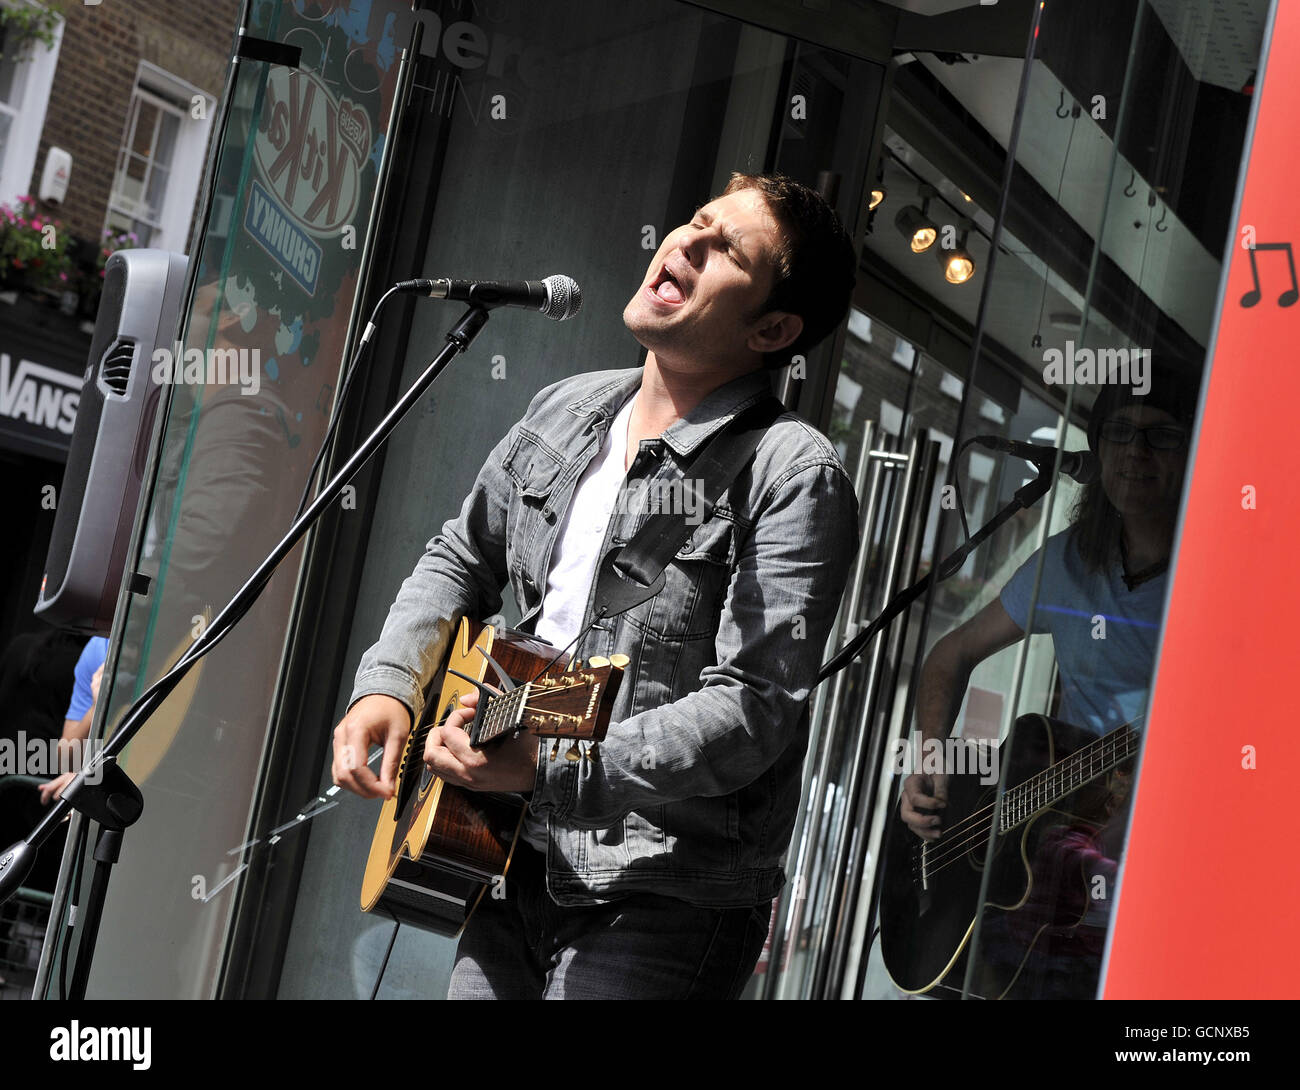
[
  {"x": 967, "y": 792},
  {"x": 896, "y": 413}
]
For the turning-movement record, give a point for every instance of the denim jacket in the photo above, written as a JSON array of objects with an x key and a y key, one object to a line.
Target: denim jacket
[{"x": 696, "y": 787}]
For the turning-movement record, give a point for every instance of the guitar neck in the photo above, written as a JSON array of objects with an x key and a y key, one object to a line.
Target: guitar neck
[
  {"x": 1066, "y": 776},
  {"x": 502, "y": 713}
]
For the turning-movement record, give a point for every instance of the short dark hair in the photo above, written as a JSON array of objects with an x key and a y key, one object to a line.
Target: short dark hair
[{"x": 815, "y": 263}]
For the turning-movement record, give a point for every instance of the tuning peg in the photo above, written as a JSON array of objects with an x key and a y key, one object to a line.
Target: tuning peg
[
  {"x": 597, "y": 661},
  {"x": 574, "y": 753},
  {"x": 555, "y": 749},
  {"x": 593, "y": 751},
  {"x": 619, "y": 660}
]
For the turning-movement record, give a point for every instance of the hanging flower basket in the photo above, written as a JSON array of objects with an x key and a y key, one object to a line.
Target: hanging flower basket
[{"x": 33, "y": 249}]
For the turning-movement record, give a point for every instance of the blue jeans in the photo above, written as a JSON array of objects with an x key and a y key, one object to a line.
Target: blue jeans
[{"x": 643, "y": 946}]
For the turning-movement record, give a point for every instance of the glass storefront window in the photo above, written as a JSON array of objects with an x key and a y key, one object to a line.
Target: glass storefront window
[{"x": 1043, "y": 223}]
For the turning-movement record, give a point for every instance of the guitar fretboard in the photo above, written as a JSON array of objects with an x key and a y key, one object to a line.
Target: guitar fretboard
[
  {"x": 503, "y": 713},
  {"x": 1056, "y": 781}
]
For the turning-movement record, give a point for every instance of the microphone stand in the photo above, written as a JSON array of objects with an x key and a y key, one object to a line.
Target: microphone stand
[
  {"x": 115, "y": 802},
  {"x": 1026, "y": 496}
]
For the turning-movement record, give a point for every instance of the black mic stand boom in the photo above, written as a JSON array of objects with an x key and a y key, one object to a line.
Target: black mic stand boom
[{"x": 115, "y": 802}]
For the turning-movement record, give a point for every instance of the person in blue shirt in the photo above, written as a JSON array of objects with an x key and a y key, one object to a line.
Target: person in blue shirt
[
  {"x": 1098, "y": 588},
  {"x": 81, "y": 710},
  {"x": 83, "y": 697}
]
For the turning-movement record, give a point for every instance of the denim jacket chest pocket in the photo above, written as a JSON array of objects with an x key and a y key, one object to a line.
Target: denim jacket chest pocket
[
  {"x": 534, "y": 469},
  {"x": 695, "y": 583}
]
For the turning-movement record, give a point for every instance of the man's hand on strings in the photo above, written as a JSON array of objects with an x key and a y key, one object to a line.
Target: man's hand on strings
[
  {"x": 504, "y": 765},
  {"x": 373, "y": 720}
]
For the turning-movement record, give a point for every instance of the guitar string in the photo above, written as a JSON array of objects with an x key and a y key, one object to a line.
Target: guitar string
[
  {"x": 1061, "y": 773},
  {"x": 503, "y": 701},
  {"x": 976, "y": 822},
  {"x": 949, "y": 851},
  {"x": 506, "y": 701}
]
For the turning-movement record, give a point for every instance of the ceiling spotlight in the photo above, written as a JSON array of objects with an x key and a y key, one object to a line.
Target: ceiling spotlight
[
  {"x": 915, "y": 223},
  {"x": 958, "y": 265},
  {"x": 878, "y": 191}
]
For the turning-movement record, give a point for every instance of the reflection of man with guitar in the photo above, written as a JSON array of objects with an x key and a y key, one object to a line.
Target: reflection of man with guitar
[
  {"x": 646, "y": 866},
  {"x": 1101, "y": 597}
]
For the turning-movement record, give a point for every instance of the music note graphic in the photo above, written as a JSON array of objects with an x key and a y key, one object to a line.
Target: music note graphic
[{"x": 1287, "y": 298}]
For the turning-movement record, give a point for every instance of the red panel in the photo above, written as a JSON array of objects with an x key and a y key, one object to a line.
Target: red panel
[{"x": 1211, "y": 890}]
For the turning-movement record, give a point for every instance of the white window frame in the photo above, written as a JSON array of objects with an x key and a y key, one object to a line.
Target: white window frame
[
  {"x": 175, "y": 95},
  {"x": 31, "y": 95},
  {"x": 136, "y": 212}
]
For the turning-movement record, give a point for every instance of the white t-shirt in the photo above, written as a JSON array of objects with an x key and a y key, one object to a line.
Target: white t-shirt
[
  {"x": 577, "y": 554},
  {"x": 577, "y": 547}
]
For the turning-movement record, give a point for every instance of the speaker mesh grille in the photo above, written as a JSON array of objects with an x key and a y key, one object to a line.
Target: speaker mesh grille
[{"x": 116, "y": 368}]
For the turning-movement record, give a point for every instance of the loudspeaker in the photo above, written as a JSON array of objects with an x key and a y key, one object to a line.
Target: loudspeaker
[{"x": 139, "y": 311}]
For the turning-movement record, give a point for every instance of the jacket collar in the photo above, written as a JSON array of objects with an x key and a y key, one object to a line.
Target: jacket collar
[
  {"x": 716, "y": 411},
  {"x": 712, "y": 414}
]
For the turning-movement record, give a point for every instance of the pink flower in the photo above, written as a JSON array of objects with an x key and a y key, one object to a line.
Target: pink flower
[
  {"x": 63, "y": 276},
  {"x": 22, "y": 222}
]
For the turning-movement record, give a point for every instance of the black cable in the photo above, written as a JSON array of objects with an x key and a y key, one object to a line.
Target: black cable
[
  {"x": 1060, "y": 184},
  {"x": 74, "y": 886},
  {"x": 383, "y": 967},
  {"x": 956, "y": 484},
  {"x": 560, "y": 654},
  {"x": 190, "y": 654},
  {"x": 348, "y": 374},
  {"x": 193, "y": 653}
]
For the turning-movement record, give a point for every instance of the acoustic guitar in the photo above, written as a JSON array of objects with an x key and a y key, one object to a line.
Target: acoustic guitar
[
  {"x": 438, "y": 848},
  {"x": 1054, "y": 812}
]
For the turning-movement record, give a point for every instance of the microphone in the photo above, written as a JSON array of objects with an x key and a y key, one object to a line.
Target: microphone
[
  {"x": 557, "y": 297},
  {"x": 1078, "y": 465}
]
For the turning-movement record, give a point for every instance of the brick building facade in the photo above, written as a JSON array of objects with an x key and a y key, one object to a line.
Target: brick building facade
[
  {"x": 116, "y": 90},
  {"x": 98, "y": 67}
]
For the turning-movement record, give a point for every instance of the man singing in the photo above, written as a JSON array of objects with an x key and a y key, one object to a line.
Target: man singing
[{"x": 650, "y": 872}]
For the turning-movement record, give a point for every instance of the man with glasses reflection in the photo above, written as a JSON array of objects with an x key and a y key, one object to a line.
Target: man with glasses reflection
[
  {"x": 649, "y": 873},
  {"x": 1101, "y": 597}
]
